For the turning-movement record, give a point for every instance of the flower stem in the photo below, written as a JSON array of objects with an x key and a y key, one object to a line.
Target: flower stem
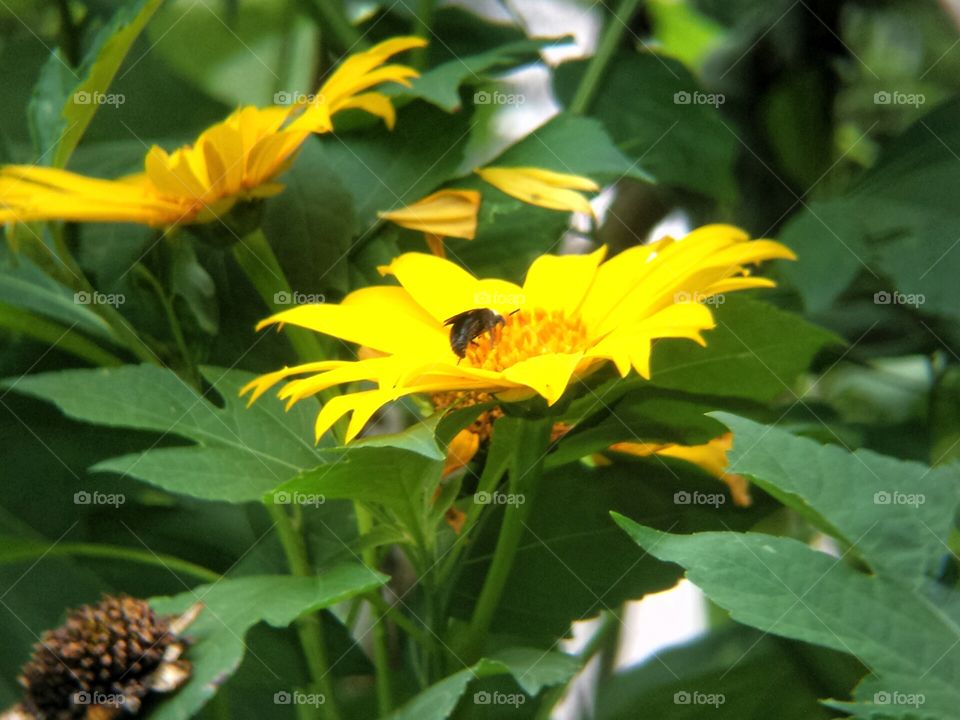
[
  {"x": 422, "y": 23},
  {"x": 609, "y": 43},
  {"x": 381, "y": 658},
  {"x": 334, "y": 19},
  {"x": 531, "y": 440},
  {"x": 309, "y": 627}
]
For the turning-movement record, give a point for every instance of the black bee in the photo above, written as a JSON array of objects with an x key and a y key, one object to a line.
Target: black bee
[{"x": 469, "y": 325}]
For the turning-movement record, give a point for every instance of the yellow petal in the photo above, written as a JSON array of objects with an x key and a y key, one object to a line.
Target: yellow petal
[
  {"x": 544, "y": 188},
  {"x": 383, "y": 318},
  {"x": 549, "y": 375},
  {"x": 258, "y": 386},
  {"x": 446, "y": 213},
  {"x": 444, "y": 289},
  {"x": 461, "y": 451},
  {"x": 560, "y": 282}
]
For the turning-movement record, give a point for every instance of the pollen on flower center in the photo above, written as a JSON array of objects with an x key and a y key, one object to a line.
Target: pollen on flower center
[{"x": 527, "y": 334}]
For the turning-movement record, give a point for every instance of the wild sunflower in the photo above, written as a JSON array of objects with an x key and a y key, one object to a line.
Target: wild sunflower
[
  {"x": 573, "y": 314},
  {"x": 445, "y": 213},
  {"x": 235, "y": 160}
]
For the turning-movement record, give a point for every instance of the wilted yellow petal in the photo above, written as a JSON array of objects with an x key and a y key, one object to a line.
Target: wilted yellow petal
[
  {"x": 446, "y": 213},
  {"x": 545, "y": 188}
]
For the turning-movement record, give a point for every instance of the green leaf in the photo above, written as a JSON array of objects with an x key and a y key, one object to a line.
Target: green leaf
[
  {"x": 582, "y": 551},
  {"x": 310, "y": 226},
  {"x": 239, "y": 454},
  {"x": 897, "y": 225},
  {"x": 900, "y": 619},
  {"x": 782, "y": 586},
  {"x": 755, "y": 352},
  {"x": 641, "y": 416},
  {"x": 896, "y": 514},
  {"x": 397, "y": 479},
  {"x": 571, "y": 144},
  {"x": 532, "y": 669},
  {"x": 677, "y": 143},
  {"x": 64, "y": 101},
  {"x": 24, "y": 285},
  {"x": 440, "y": 85},
  {"x": 384, "y": 171},
  {"x": 232, "y": 607},
  {"x": 729, "y": 664}
]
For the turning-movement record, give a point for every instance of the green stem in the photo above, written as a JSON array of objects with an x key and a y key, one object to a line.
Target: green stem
[
  {"x": 526, "y": 467},
  {"x": 597, "y": 66},
  {"x": 112, "y": 552},
  {"x": 391, "y": 611},
  {"x": 55, "y": 335},
  {"x": 255, "y": 257},
  {"x": 309, "y": 627},
  {"x": 334, "y": 19},
  {"x": 381, "y": 658},
  {"x": 422, "y": 23},
  {"x": 172, "y": 322},
  {"x": 121, "y": 328}
]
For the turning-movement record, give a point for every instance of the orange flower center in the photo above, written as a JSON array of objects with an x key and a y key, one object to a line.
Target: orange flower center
[{"x": 526, "y": 334}]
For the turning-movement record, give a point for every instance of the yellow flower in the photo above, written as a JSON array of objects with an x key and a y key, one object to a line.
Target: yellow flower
[
  {"x": 234, "y": 160},
  {"x": 710, "y": 457},
  {"x": 445, "y": 213},
  {"x": 344, "y": 89},
  {"x": 573, "y": 314},
  {"x": 545, "y": 188}
]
